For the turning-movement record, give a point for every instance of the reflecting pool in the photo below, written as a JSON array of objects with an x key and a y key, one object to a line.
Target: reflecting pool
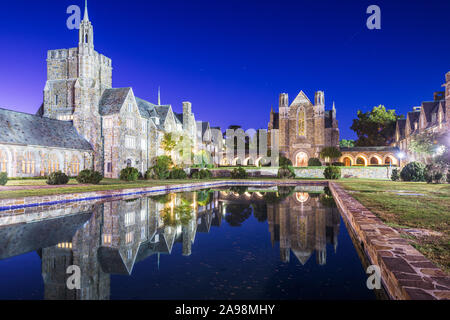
[{"x": 237, "y": 243}]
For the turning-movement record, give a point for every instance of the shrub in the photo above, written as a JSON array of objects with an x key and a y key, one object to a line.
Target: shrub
[
  {"x": 286, "y": 173},
  {"x": 332, "y": 173},
  {"x": 448, "y": 177},
  {"x": 201, "y": 174},
  {"x": 395, "y": 176},
  {"x": 314, "y": 162},
  {"x": 413, "y": 171},
  {"x": 284, "y": 162},
  {"x": 178, "y": 174},
  {"x": 161, "y": 169},
  {"x": 3, "y": 178},
  {"x": 57, "y": 178},
  {"x": 239, "y": 173},
  {"x": 129, "y": 174},
  {"x": 433, "y": 174},
  {"x": 89, "y": 177}
]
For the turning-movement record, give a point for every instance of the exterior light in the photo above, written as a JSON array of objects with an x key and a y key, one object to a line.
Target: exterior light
[{"x": 401, "y": 155}]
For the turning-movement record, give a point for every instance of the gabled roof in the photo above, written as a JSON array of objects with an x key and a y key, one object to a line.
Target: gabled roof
[
  {"x": 413, "y": 116},
  {"x": 429, "y": 108},
  {"x": 301, "y": 99},
  {"x": 112, "y": 260},
  {"x": 162, "y": 112},
  {"x": 146, "y": 109},
  {"x": 178, "y": 117},
  {"x": 112, "y": 100},
  {"x": 27, "y": 129},
  {"x": 204, "y": 126}
]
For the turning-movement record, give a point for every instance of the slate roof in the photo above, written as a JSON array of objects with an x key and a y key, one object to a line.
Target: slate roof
[
  {"x": 203, "y": 125},
  {"x": 27, "y": 129},
  {"x": 178, "y": 117},
  {"x": 146, "y": 109},
  {"x": 413, "y": 117},
  {"x": 329, "y": 119},
  {"x": 162, "y": 112},
  {"x": 112, "y": 100},
  {"x": 429, "y": 108}
]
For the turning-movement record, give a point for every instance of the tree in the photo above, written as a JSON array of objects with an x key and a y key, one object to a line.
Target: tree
[
  {"x": 330, "y": 153},
  {"x": 168, "y": 143},
  {"x": 347, "y": 143},
  {"x": 425, "y": 144},
  {"x": 376, "y": 127}
]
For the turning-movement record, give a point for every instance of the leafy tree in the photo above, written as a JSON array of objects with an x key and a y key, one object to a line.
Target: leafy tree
[
  {"x": 376, "y": 127},
  {"x": 347, "y": 143},
  {"x": 168, "y": 143},
  {"x": 427, "y": 144},
  {"x": 237, "y": 214},
  {"x": 330, "y": 153}
]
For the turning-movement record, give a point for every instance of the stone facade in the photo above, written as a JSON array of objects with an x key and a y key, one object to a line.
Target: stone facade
[
  {"x": 305, "y": 128},
  {"x": 430, "y": 116},
  {"x": 119, "y": 128}
]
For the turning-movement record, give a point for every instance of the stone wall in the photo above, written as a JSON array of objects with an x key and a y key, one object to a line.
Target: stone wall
[{"x": 381, "y": 173}]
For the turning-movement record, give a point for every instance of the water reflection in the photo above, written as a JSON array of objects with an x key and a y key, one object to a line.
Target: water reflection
[{"x": 110, "y": 238}]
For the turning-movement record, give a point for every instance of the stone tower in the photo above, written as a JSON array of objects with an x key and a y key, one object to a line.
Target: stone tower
[
  {"x": 447, "y": 99},
  {"x": 76, "y": 79}
]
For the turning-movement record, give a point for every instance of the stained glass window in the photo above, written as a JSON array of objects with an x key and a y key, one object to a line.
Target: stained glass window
[{"x": 301, "y": 123}]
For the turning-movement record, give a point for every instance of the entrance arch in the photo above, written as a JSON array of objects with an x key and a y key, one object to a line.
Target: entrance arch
[
  {"x": 347, "y": 161},
  {"x": 301, "y": 159}
]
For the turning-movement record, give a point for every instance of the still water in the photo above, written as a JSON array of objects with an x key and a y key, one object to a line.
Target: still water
[{"x": 238, "y": 243}]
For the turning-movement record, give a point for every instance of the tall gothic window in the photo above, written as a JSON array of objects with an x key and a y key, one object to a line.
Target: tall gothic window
[
  {"x": 28, "y": 163},
  {"x": 3, "y": 161},
  {"x": 301, "y": 122},
  {"x": 53, "y": 163},
  {"x": 75, "y": 166}
]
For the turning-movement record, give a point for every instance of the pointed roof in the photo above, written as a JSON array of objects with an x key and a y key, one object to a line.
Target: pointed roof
[
  {"x": 301, "y": 99},
  {"x": 86, "y": 15},
  {"x": 302, "y": 256}
]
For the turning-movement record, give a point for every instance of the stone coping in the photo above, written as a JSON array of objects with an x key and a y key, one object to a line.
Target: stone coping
[
  {"x": 27, "y": 202},
  {"x": 406, "y": 273}
]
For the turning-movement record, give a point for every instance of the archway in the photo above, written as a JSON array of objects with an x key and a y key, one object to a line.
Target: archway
[
  {"x": 237, "y": 162},
  {"x": 347, "y": 161},
  {"x": 301, "y": 159},
  {"x": 389, "y": 160},
  {"x": 249, "y": 162},
  {"x": 74, "y": 166},
  {"x": 361, "y": 161},
  {"x": 3, "y": 161},
  {"x": 53, "y": 163},
  {"x": 374, "y": 161}
]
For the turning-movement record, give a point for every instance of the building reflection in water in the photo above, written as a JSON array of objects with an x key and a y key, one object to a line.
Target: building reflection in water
[{"x": 111, "y": 237}]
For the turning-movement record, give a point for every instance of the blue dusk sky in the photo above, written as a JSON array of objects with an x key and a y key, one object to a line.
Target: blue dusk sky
[{"x": 233, "y": 58}]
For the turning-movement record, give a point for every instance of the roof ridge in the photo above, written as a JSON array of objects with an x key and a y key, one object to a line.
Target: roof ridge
[{"x": 34, "y": 115}]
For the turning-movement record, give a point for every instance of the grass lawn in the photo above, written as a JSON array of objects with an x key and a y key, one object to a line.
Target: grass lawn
[{"x": 405, "y": 205}]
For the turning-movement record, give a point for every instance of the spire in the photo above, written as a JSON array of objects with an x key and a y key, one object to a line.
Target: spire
[
  {"x": 334, "y": 107},
  {"x": 86, "y": 15},
  {"x": 159, "y": 96}
]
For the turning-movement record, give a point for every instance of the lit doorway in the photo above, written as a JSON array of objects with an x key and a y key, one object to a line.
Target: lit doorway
[{"x": 301, "y": 160}]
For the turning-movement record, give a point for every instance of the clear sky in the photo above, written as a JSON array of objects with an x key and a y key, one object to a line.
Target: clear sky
[{"x": 232, "y": 58}]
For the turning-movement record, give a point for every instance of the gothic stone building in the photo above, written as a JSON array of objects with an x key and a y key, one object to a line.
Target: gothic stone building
[
  {"x": 304, "y": 128},
  {"x": 431, "y": 116},
  {"x": 86, "y": 123}
]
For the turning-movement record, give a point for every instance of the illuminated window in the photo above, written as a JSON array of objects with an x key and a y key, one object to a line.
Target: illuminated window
[
  {"x": 3, "y": 161},
  {"x": 129, "y": 237},
  {"x": 129, "y": 219},
  {"x": 28, "y": 163},
  {"x": 107, "y": 239},
  {"x": 301, "y": 123},
  {"x": 130, "y": 107},
  {"x": 144, "y": 126},
  {"x": 75, "y": 166},
  {"x": 53, "y": 163}
]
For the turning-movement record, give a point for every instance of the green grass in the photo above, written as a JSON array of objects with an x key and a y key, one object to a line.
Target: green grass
[{"x": 430, "y": 211}]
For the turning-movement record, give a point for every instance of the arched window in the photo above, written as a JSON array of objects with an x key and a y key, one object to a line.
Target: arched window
[
  {"x": 374, "y": 161},
  {"x": 301, "y": 160},
  {"x": 388, "y": 161},
  {"x": 301, "y": 123},
  {"x": 53, "y": 163},
  {"x": 27, "y": 163},
  {"x": 347, "y": 162},
  {"x": 86, "y": 39},
  {"x": 3, "y": 161},
  {"x": 75, "y": 166},
  {"x": 360, "y": 161}
]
